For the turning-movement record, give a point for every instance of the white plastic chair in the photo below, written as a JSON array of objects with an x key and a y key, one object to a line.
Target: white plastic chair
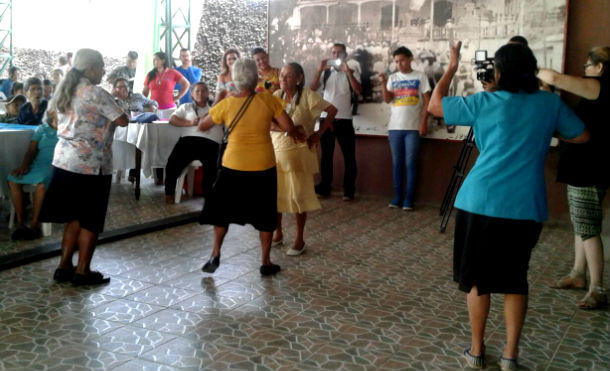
[
  {"x": 188, "y": 172},
  {"x": 46, "y": 228}
]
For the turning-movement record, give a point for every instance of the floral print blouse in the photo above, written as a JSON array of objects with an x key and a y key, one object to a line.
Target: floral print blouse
[{"x": 86, "y": 131}]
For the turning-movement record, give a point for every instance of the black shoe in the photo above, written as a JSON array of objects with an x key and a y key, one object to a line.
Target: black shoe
[
  {"x": 211, "y": 265},
  {"x": 270, "y": 269},
  {"x": 32, "y": 234},
  {"x": 21, "y": 233},
  {"x": 64, "y": 274},
  {"x": 321, "y": 191},
  {"x": 91, "y": 278}
]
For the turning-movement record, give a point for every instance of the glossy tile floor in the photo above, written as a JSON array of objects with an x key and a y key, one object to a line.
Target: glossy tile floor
[{"x": 372, "y": 292}]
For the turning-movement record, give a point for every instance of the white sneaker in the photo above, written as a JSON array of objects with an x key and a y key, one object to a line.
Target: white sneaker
[{"x": 294, "y": 252}]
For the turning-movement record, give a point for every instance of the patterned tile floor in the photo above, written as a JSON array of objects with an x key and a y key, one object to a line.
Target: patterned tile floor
[
  {"x": 123, "y": 210},
  {"x": 372, "y": 292}
]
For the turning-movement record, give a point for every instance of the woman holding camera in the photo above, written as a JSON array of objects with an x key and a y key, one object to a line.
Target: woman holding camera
[
  {"x": 587, "y": 180},
  {"x": 505, "y": 191}
]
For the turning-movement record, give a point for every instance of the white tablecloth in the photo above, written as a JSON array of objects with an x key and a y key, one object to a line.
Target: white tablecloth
[
  {"x": 156, "y": 141},
  {"x": 13, "y": 146}
]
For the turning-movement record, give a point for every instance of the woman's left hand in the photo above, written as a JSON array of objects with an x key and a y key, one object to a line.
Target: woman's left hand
[{"x": 20, "y": 171}]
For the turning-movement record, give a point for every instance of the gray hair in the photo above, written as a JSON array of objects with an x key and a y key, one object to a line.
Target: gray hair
[
  {"x": 84, "y": 59},
  {"x": 245, "y": 74}
]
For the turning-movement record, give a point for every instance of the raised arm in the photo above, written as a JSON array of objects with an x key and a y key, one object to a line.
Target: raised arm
[
  {"x": 387, "y": 95},
  {"x": 442, "y": 88},
  {"x": 315, "y": 82},
  {"x": 584, "y": 87}
]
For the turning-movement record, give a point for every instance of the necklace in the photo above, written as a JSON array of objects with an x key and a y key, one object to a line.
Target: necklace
[{"x": 160, "y": 77}]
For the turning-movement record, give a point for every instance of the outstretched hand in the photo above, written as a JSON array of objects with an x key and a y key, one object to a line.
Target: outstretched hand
[{"x": 454, "y": 58}]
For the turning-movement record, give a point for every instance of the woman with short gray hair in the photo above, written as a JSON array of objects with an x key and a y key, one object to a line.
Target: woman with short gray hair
[{"x": 245, "y": 191}]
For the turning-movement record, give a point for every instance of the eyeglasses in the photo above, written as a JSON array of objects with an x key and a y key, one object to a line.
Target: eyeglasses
[{"x": 588, "y": 65}]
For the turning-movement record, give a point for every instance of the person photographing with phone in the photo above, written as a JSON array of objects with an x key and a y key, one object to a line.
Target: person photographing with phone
[{"x": 340, "y": 82}]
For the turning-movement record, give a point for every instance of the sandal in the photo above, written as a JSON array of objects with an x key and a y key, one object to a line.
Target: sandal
[
  {"x": 64, "y": 274},
  {"x": 574, "y": 280},
  {"x": 476, "y": 362},
  {"x": 91, "y": 278},
  {"x": 211, "y": 265},
  {"x": 508, "y": 364},
  {"x": 594, "y": 299},
  {"x": 269, "y": 269}
]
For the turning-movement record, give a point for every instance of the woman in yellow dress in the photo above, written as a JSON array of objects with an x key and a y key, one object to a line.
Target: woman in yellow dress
[{"x": 297, "y": 162}]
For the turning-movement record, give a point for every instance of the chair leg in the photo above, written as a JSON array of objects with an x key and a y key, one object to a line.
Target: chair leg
[{"x": 179, "y": 185}]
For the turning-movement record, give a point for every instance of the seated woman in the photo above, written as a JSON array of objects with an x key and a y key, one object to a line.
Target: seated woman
[
  {"x": 194, "y": 144},
  {"x": 31, "y": 112},
  {"x": 36, "y": 170},
  {"x": 131, "y": 103}
]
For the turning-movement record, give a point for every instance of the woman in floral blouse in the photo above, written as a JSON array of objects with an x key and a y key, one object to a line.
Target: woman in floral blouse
[{"x": 82, "y": 165}]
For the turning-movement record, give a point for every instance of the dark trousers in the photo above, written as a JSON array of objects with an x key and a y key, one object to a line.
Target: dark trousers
[
  {"x": 343, "y": 131},
  {"x": 189, "y": 149}
]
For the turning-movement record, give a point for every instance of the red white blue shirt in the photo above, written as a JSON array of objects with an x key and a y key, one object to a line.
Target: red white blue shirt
[{"x": 407, "y": 104}]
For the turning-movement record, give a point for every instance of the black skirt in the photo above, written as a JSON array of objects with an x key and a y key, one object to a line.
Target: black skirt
[
  {"x": 243, "y": 197},
  {"x": 493, "y": 253},
  {"x": 73, "y": 196}
]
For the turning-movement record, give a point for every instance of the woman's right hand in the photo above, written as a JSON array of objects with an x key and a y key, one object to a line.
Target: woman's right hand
[{"x": 20, "y": 171}]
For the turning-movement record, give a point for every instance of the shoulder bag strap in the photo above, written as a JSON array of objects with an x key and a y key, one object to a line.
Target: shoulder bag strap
[{"x": 238, "y": 116}]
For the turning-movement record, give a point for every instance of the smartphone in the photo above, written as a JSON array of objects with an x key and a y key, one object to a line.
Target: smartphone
[{"x": 480, "y": 55}]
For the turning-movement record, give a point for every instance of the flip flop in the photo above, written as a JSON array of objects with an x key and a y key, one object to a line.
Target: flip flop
[{"x": 64, "y": 274}]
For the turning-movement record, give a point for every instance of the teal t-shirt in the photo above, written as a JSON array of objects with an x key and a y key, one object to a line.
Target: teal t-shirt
[{"x": 513, "y": 133}]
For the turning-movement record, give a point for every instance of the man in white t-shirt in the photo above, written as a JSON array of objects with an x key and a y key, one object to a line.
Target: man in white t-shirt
[
  {"x": 409, "y": 93},
  {"x": 194, "y": 144},
  {"x": 340, "y": 81}
]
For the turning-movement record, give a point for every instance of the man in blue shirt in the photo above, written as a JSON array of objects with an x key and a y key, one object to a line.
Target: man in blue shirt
[
  {"x": 13, "y": 75},
  {"x": 190, "y": 72}
]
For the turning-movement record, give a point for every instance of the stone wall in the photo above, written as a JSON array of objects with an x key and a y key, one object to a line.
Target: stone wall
[{"x": 240, "y": 24}]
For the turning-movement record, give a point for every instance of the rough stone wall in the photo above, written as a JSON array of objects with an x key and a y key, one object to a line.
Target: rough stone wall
[
  {"x": 240, "y": 24},
  {"x": 36, "y": 61}
]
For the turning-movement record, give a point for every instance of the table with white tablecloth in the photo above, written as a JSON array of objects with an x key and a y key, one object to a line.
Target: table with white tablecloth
[
  {"x": 14, "y": 143},
  {"x": 154, "y": 142}
]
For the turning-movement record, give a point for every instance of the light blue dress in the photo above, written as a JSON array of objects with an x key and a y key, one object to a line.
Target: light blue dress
[{"x": 40, "y": 168}]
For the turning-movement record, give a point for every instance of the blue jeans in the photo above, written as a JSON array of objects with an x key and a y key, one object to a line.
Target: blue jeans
[{"x": 404, "y": 145}]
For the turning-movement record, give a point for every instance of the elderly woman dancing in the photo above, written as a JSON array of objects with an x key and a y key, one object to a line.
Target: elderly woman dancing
[
  {"x": 502, "y": 202},
  {"x": 245, "y": 191},
  {"x": 298, "y": 162},
  {"x": 82, "y": 165}
]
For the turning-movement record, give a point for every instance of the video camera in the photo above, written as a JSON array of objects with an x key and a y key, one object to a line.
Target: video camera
[{"x": 483, "y": 66}]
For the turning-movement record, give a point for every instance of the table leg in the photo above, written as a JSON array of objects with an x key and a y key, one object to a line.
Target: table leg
[{"x": 138, "y": 171}]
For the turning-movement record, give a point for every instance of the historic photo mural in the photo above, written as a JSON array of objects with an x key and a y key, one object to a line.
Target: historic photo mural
[{"x": 304, "y": 30}]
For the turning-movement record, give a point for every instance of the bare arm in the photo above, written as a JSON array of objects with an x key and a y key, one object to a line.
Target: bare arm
[
  {"x": 582, "y": 138},
  {"x": 423, "y": 125},
  {"x": 442, "y": 88},
  {"x": 356, "y": 87},
  {"x": 123, "y": 120},
  {"x": 205, "y": 122},
  {"x": 315, "y": 82},
  {"x": 27, "y": 160},
  {"x": 185, "y": 85},
  {"x": 387, "y": 95},
  {"x": 145, "y": 91},
  {"x": 583, "y": 87},
  {"x": 179, "y": 121},
  {"x": 314, "y": 138}
]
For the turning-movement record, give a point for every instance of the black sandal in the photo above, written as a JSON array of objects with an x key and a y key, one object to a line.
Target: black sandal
[
  {"x": 64, "y": 274},
  {"x": 269, "y": 269},
  {"x": 211, "y": 265},
  {"x": 91, "y": 278}
]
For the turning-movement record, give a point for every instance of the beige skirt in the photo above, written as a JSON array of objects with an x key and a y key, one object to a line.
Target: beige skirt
[{"x": 295, "y": 180}]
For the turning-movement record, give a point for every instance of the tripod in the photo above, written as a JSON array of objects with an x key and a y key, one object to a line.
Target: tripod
[{"x": 456, "y": 180}]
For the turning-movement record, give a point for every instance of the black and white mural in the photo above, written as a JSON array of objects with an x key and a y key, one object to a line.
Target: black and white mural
[{"x": 304, "y": 31}]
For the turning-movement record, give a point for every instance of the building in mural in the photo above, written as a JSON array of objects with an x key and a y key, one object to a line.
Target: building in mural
[{"x": 304, "y": 30}]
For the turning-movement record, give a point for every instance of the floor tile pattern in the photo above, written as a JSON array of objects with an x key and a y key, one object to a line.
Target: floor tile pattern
[{"x": 372, "y": 292}]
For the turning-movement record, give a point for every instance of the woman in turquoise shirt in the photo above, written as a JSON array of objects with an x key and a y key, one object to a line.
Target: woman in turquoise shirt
[{"x": 502, "y": 203}]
